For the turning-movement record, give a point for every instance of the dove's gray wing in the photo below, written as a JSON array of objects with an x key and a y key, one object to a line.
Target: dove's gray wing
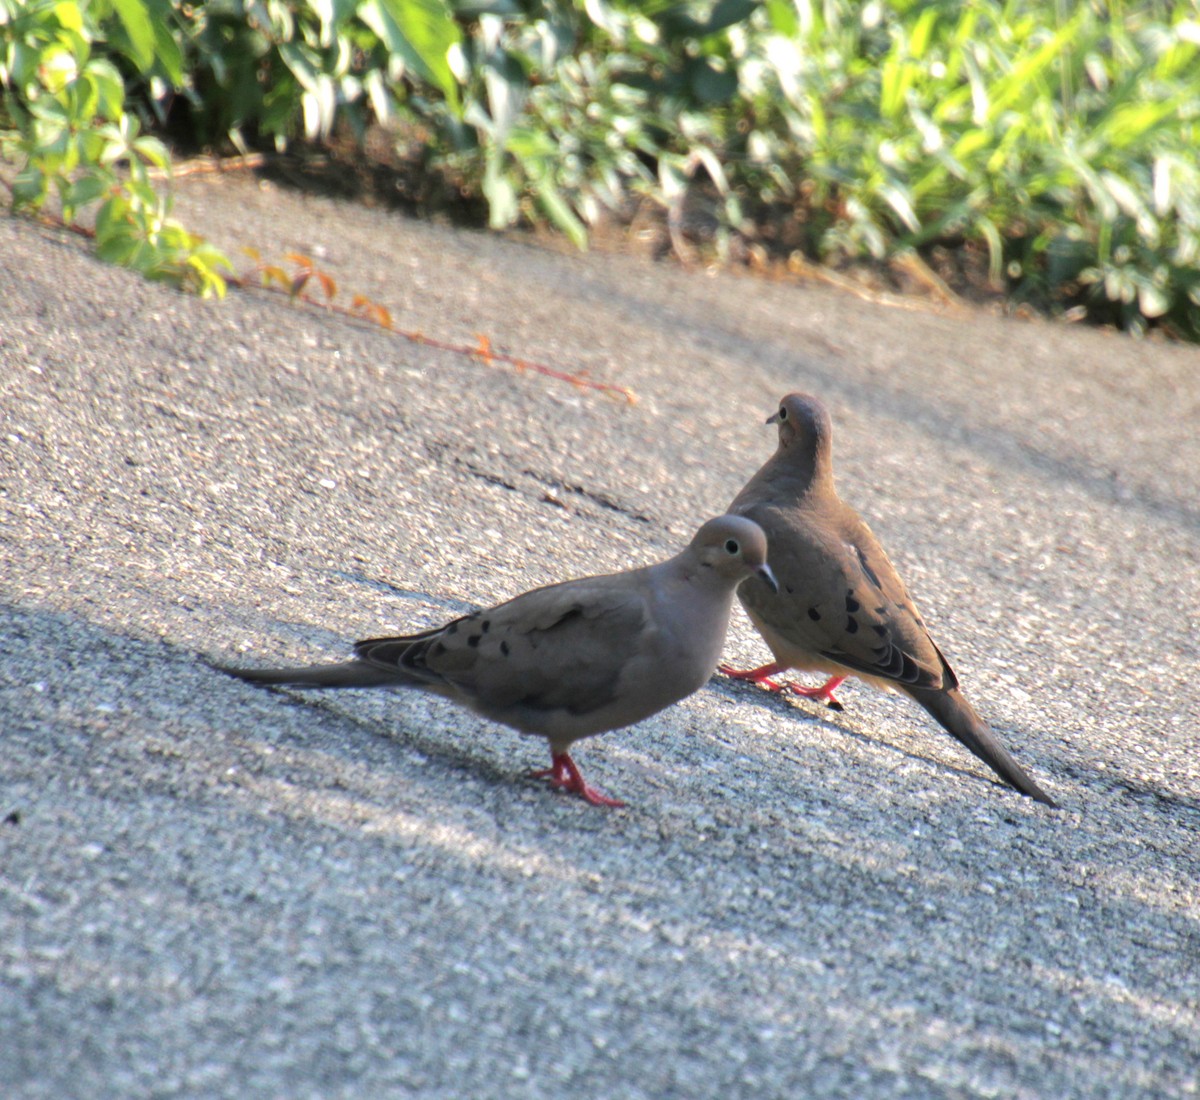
[{"x": 550, "y": 661}]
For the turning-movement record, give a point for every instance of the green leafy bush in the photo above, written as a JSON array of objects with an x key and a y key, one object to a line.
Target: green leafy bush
[
  {"x": 1065, "y": 144},
  {"x": 66, "y": 121},
  {"x": 1069, "y": 148}
]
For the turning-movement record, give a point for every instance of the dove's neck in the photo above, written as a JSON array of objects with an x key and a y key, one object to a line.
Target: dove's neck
[
  {"x": 700, "y": 601},
  {"x": 698, "y": 586},
  {"x": 803, "y": 473}
]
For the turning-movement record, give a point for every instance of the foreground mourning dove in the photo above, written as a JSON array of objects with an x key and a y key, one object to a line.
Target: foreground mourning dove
[
  {"x": 842, "y": 609},
  {"x": 575, "y": 659}
]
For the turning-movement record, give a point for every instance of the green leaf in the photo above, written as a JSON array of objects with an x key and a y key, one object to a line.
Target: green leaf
[
  {"x": 559, "y": 211},
  {"x": 153, "y": 150},
  {"x": 892, "y": 83},
  {"x": 507, "y": 89},
  {"x": 88, "y": 188},
  {"x": 136, "y": 21},
  {"x": 110, "y": 88},
  {"x": 116, "y": 248},
  {"x": 726, "y": 13},
  {"x": 899, "y": 202},
  {"x": 473, "y": 9},
  {"x": 422, "y": 33},
  {"x": 991, "y": 234},
  {"x": 711, "y": 86},
  {"x": 112, "y": 218},
  {"x": 166, "y": 48},
  {"x": 918, "y": 42},
  {"x": 1134, "y": 122},
  {"x": 29, "y": 188},
  {"x": 499, "y": 191},
  {"x": 970, "y": 143},
  {"x": 782, "y": 14},
  {"x": 1153, "y": 300}
]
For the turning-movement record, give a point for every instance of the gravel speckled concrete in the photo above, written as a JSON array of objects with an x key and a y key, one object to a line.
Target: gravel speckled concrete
[{"x": 212, "y": 890}]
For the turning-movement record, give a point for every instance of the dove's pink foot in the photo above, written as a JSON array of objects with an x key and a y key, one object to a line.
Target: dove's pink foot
[
  {"x": 823, "y": 694},
  {"x": 761, "y": 676},
  {"x": 564, "y": 773}
]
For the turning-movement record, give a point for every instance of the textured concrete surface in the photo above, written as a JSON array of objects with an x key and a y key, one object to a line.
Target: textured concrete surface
[{"x": 212, "y": 890}]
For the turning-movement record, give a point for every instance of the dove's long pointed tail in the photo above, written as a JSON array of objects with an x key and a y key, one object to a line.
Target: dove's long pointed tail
[
  {"x": 959, "y": 718},
  {"x": 350, "y": 674}
]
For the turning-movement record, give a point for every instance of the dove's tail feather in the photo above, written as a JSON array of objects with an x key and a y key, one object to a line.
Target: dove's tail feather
[
  {"x": 351, "y": 674},
  {"x": 959, "y": 718}
]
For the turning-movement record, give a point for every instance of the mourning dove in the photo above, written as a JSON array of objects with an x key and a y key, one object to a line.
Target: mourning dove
[
  {"x": 842, "y": 609},
  {"x": 575, "y": 659}
]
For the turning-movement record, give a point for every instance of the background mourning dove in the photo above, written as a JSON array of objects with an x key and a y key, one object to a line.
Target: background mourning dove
[
  {"x": 574, "y": 659},
  {"x": 842, "y": 609}
]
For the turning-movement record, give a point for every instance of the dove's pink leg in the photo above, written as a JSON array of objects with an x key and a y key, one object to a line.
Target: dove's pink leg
[
  {"x": 564, "y": 773},
  {"x": 761, "y": 676},
  {"x": 824, "y": 693}
]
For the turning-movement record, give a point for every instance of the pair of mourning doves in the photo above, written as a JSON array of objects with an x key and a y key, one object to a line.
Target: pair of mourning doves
[
  {"x": 575, "y": 659},
  {"x": 842, "y": 609}
]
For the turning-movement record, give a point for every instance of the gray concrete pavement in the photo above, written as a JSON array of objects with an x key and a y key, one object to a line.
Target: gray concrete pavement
[{"x": 212, "y": 890}]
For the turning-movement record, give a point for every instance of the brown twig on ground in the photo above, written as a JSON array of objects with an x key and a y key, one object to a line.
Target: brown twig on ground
[
  {"x": 273, "y": 278},
  {"x": 202, "y": 166},
  {"x": 294, "y": 285}
]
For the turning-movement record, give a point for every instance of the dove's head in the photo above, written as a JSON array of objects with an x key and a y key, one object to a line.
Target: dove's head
[
  {"x": 804, "y": 426},
  {"x": 734, "y": 548}
]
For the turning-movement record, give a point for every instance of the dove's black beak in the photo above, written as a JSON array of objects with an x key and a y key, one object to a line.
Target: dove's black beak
[
  {"x": 768, "y": 577},
  {"x": 772, "y": 419}
]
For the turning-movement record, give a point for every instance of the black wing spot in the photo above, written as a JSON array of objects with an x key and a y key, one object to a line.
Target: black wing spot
[
  {"x": 851, "y": 625},
  {"x": 852, "y": 605},
  {"x": 814, "y": 614},
  {"x": 438, "y": 649},
  {"x": 486, "y": 625},
  {"x": 452, "y": 628},
  {"x": 473, "y": 640},
  {"x": 504, "y": 648},
  {"x": 880, "y": 629}
]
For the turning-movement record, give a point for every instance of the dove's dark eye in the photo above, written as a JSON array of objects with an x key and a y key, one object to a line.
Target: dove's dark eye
[
  {"x": 731, "y": 546},
  {"x": 782, "y": 412}
]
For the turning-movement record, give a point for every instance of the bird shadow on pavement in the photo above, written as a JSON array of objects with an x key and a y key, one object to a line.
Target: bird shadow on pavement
[
  {"x": 112, "y": 673},
  {"x": 776, "y": 704},
  {"x": 1098, "y": 778},
  {"x": 1106, "y": 779},
  {"x": 436, "y": 747}
]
